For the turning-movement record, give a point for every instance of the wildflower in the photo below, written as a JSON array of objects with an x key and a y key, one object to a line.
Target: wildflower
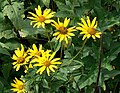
[
  {"x": 47, "y": 63},
  {"x": 18, "y": 86},
  {"x": 21, "y": 58},
  {"x": 89, "y": 28},
  {"x": 41, "y": 18},
  {"x": 63, "y": 33},
  {"x": 34, "y": 52}
]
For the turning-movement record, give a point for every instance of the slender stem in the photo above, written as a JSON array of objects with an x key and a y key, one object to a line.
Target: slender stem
[
  {"x": 49, "y": 39},
  {"x": 79, "y": 50},
  {"x": 61, "y": 49},
  {"x": 99, "y": 65}
]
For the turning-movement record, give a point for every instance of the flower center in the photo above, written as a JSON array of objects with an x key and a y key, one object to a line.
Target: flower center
[
  {"x": 41, "y": 18},
  {"x": 20, "y": 87},
  {"x": 91, "y": 31},
  {"x": 63, "y": 30},
  {"x": 47, "y": 63},
  {"x": 38, "y": 53},
  {"x": 20, "y": 60}
]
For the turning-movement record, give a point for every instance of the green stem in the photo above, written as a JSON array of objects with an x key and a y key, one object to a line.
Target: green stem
[
  {"x": 61, "y": 49},
  {"x": 49, "y": 39},
  {"x": 79, "y": 50},
  {"x": 99, "y": 64}
]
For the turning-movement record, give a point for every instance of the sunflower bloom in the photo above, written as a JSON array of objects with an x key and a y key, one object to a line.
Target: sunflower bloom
[
  {"x": 89, "y": 28},
  {"x": 47, "y": 63},
  {"x": 18, "y": 86},
  {"x": 21, "y": 58},
  {"x": 63, "y": 33},
  {"x": 41, "y": 18}
]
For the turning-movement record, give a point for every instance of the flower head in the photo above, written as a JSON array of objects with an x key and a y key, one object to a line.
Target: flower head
[
  {"x": 47, "y": 63},
  {"x": 41, "y": 18},
  {"x": 21, "y": 58},
  {"x": 63, "y": 33},
  {"x": 34, "y": 52},
  {"x": 89, "y": 28},
  {"x": 18, "y": 86}
]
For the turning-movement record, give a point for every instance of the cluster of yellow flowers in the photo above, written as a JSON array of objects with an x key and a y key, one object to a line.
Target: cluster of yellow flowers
[
  {"x": 32, "y": 58},
  {"x": 35, "y": 57},
  {"x": 63, "y": 32},
  {"x": 45, "y": 59}
]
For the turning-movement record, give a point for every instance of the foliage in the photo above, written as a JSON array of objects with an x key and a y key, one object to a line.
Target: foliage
[{"x": 80, "y": 59}]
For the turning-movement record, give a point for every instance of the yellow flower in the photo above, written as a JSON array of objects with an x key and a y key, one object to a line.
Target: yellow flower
[
  {"x": 41, "y": 18},
  {"x": 89, "y": 28},
  {"x": 63, "y": 33},
  {"x": 36, "y": 52},
  {"x": 21, "y": 58},
  {"x": 18, "y": 86},
  {"x": 47, "y": 63}
]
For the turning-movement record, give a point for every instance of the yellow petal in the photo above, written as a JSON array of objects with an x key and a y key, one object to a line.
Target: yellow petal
[
  {"x": 71, "y": 29},
  {"x": 56, "y": 63},
  {"x": 48, "y": 21},
  {"x": 66, "y": 40},
  {"x": 48, "y": 71},
  {"x": 33, "y": 14},
  {"x": 96, "y": 25},
  {"x": 32, "y": 22},
  {"x": 98, "y": 36},
  {"x": 88, "y": 21},
  {"x": 46, "y": 12},
  {"x": 50, "y": 67},
  {"x": 88, "y": 36},
  {"x": 56, "y": 33},
  {"x": 58, "y": 36},
  {"x": 80, "y": 28},
  {"x": 71, "y": 34},
  {"x": 43, "y": 24},
  {"x": 66, "y": 22},
  {"x": 61, "y": 38},
  {"x": 38, "y": 11},
  {"x": 34, "y": 48},
  {"x": 54, "y": 60},
  {"x": 32, "y": 18},
  {"x": 50, "y": 15},
  {"x": 93, "y": 36},
  {"x": 53, "y": 66},
  {"x": 18, "y": 67},
  {"x": 52, "y": 56},
  {"x": 84, "y": 37},
  {"x": 93, "y": 22},
  {"x": 83, "y": 21},
  {"x": 14, "y": 57}
]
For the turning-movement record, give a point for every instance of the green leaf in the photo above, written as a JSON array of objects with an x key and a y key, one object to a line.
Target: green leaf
[
  {"x": 4, "y": 51},
  {"x": 88, "y": 79},
  {"x": 7, "y": 34},
  {"x": 28, "y": 30},
  {"x": 110, "y": 74},
  {"x": 46, "y": 2},
  {"x": 15, "y": 12},
  {"x": 45, "y": 84},
  {"x": 6, "y": 70}
]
